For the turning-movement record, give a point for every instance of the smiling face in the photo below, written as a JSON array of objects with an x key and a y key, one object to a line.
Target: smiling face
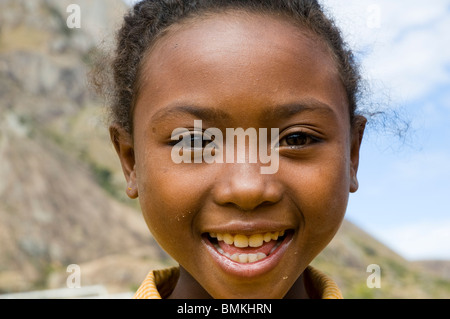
[{"x": 238, "y": 233}]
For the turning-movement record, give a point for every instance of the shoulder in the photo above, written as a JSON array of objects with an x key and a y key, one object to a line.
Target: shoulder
[
  {"x": 158, "y": 284},
  {"x": 320, "y": 285}
]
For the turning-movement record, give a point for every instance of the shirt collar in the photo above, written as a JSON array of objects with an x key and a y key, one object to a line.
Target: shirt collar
[{"x": 159, "y": 284}]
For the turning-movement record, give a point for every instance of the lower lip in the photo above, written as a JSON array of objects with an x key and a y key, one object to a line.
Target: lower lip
[{"x": 248, "y": 270}]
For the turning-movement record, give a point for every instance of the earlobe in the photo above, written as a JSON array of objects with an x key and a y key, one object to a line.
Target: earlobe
[
  {"x": 354, "y": 184},
  {"x": 132, "y": 190},
  {"x": 358, "y": 128},
  {"x": 123, "y": 144}
]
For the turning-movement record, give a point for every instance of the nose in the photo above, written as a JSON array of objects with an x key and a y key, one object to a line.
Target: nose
[{"x": 242, "y": 185}]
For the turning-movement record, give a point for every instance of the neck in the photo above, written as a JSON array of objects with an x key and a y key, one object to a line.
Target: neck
[{"x": 188, "y": 288}]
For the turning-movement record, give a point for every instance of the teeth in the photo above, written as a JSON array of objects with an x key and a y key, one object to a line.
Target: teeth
[
  {"x": 243, "y": 241},
  {"x": 240, "y": 241},
  {"x": 227, "y": 238},
  {"x": 256, "y": 240},
  {"x": 234, "y": 257},
  {"x": 243, "y": 258},
  {"x": 246, "y": 258},
  {"x": 252, "y": 258}
]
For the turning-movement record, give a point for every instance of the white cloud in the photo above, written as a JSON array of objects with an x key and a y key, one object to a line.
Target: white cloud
[
  {"x": 130, "y": 2},
  {"x": 410, "y": 51},
  {"x": 420, "y": 240},
  {"x": 405, "y": 202},
  {"x": 407, "y": 42},
  {"x": 422, "y": 167}
]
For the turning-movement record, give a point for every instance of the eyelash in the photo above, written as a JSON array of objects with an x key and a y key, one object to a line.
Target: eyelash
[
  {"x": 306, "y": 139},
  {"x": 192, "y": 134}
]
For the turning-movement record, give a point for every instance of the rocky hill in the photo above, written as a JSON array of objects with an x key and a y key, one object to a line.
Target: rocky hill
[
  {"x": 61, "y": 186},
  {"x": 353, "y": 250},
  {"x": 57, "y": 168}
]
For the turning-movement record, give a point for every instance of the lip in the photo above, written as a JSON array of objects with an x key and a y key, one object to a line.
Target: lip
[{"x": 249, "y": 270}]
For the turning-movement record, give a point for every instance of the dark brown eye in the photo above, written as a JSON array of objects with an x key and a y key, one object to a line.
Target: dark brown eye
[
  {"x": 193, "y": 140},
  {"x": 297, "y": 139}
]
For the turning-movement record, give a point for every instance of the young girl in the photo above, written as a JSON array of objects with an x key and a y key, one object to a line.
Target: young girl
[{"x": 270, "y": 66}]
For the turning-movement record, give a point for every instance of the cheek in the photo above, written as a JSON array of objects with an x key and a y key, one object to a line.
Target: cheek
[
  {"x": 322, "y": 197},
  {"x": 168, "y": 203}
]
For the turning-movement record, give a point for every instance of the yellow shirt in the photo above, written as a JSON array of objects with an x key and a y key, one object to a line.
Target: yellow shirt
[{"x": 159, "y": 284}]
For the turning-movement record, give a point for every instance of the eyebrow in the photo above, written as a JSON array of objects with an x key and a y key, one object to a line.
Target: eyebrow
[
  {"x": 284, "y": 111},
  {"x": 203, "y": 113},
  {"x": 280, "y": 111}
]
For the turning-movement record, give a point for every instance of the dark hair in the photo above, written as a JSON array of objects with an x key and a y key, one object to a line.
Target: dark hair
[{"x": 148, "y": 20}]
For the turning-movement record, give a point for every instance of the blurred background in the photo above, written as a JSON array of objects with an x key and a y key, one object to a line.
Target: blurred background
[{"x": 62, "y": 192}]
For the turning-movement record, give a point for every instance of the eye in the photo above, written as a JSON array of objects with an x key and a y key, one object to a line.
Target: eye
[
  {"x": 192, "y": 140},
  {"x": 298, "y": 140},
  {"x": 196, "y": 140}
]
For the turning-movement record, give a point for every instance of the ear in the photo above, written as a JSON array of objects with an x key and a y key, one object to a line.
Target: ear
[
  {"x": 123, "y": 143},
  {"x": 357, "y": 131}
]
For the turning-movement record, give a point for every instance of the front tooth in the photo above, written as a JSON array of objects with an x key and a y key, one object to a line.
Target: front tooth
[
  {"x": 247, "y": 258},
  {"x": 228, "y": 239},
  {"x": 267, "y": 237},
  {"x": 243, "y": 258},
  {"x": 256, "y": 240},
  {"x": 252, "y": 258},
  {"x": 240, "y": 241}
]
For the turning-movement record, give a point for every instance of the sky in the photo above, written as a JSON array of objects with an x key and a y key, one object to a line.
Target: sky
[{"x": 403, "y": 47}]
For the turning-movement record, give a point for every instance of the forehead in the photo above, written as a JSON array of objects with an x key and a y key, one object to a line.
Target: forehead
[{"x": 241, "y": 55}]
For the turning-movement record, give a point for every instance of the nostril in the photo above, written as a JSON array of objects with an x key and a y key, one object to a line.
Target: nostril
[
  {"x": 248, "y": 208},
  {"x": 263, "y": 204},
  {"x": 247, "y": 204},
  {"x": 266, "y": 203}
]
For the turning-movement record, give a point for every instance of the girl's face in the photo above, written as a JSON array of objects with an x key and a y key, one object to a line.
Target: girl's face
[{"x": 235, "y": 232}]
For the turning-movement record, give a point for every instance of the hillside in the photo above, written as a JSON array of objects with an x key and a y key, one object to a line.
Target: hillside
[
  {"x": 353, "y": 250},
  {"x": 61, "y": 187},
  {"x": 56, "y": 165}
]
